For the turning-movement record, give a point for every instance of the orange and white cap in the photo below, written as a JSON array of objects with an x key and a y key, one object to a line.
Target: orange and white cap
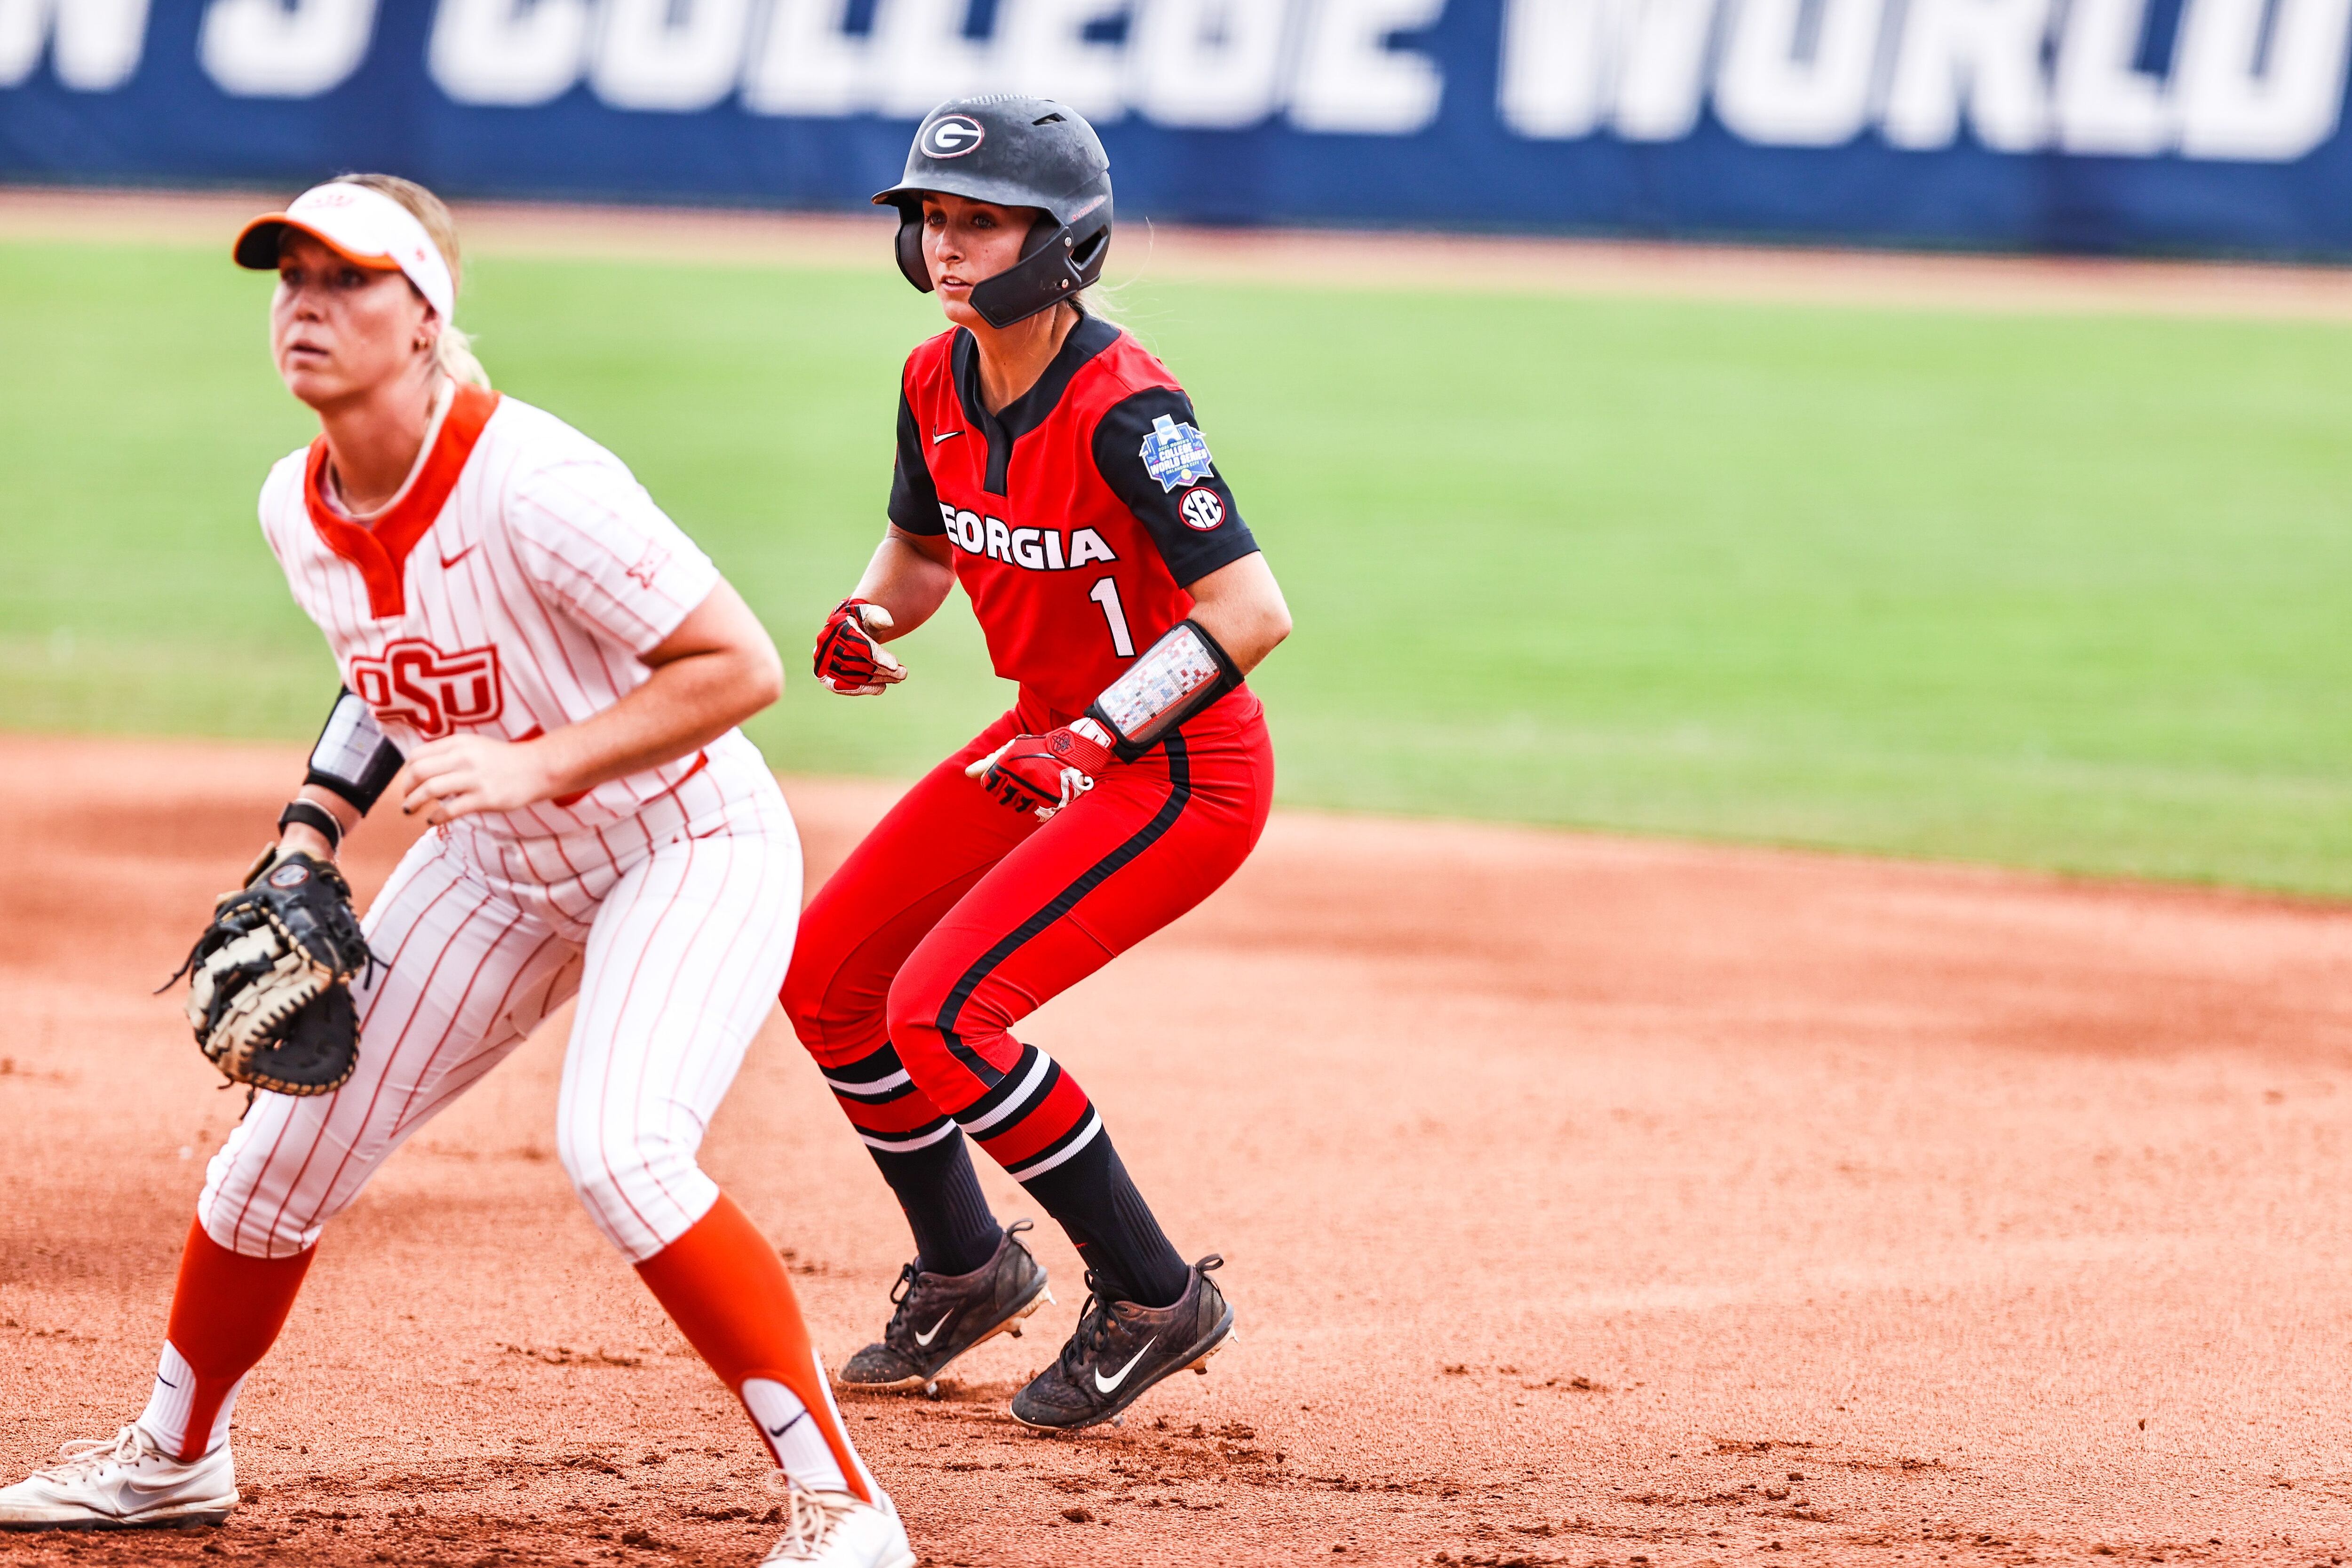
[{"x": 362, "y": 226}]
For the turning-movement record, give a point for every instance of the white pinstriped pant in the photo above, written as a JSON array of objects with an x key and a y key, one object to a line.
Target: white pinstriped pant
[{"x": 674, "y": 929}]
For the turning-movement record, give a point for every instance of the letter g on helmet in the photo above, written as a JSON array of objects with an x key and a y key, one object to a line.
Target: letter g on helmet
[{"x": 950, "y": 136}]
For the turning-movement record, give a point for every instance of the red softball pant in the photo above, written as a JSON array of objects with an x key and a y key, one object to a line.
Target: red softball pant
[{"x": 957, "y": 917}]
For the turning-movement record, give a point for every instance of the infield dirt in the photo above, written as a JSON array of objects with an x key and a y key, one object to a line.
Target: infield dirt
[{"x": 1588, "y": 1202}]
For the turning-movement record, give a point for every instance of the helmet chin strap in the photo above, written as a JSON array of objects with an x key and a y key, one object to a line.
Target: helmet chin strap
[
  {"x": 1046, "y": 274},
  {"x": 1053, "y": 266}
]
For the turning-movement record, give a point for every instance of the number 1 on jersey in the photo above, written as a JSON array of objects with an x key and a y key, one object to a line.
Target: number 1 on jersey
[{"x": 1106, "y": 594}]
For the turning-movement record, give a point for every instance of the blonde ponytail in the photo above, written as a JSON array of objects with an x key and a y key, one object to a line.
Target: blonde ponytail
[{"x": 454, "y": 350}]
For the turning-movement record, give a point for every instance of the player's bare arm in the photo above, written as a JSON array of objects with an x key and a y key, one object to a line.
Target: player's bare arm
[
  {"x": 1241, "y": 607},
  {"x": 717, "y": 670},
  {"x": 911, "y": 577},
  {"x": 905, "y": 584}
]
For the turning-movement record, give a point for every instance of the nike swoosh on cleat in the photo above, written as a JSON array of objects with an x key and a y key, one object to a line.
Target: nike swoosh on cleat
[
  {"x": 945, "y": 435},
  {"x": 1110, "y": 1385},
  {"x": 925, "y": 1340}
]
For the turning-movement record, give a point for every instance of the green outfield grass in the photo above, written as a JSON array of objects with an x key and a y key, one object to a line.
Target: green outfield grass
[{"x": 2053, "y": 592}]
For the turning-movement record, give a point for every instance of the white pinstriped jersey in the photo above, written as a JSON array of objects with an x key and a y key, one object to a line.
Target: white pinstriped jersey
[{"x": 507, "y": 590}]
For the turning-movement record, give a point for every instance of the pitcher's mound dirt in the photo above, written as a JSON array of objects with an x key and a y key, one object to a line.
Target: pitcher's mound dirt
[{"x": 1588, "y": 1202}]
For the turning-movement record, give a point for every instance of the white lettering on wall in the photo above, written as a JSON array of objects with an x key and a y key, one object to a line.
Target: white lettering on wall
[
  {"x": 94, "y": 45},
  {"x": 1047, "y": 55},
  {"x": 261, "y": 48},
  {"x": 1769, "y": 93},
  {"x": 2258, "y": 81},
  {"x": 508, "y": 52},
  {"x": 1662, "y": 74},
  {"x": 1211, "y": 64},
  {"x": 2103, "y": 104},
  {"x": 1571, "y": 67},
  {"x": 1351, "y": 81},
  {"x": 2240, "y": 99},
  {"x": 1985, "y": 54},
  {"x": 1557, "y": 58},
  {"x": 921, "y": 58},
  {"x": 663, "y": 55},
  {"x": 805, "y": 64}
]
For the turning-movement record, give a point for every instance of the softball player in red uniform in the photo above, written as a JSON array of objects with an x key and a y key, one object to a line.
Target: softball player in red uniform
[
  {"x": 1053, "y": 467},
  {"x": 541, "y": 661}
]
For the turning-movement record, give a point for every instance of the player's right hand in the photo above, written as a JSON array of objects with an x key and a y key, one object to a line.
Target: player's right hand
[{"x": 848, "y": 660}]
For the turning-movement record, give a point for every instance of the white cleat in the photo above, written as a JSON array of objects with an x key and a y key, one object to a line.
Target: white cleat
[
  {"x": 122, "y": 1482},
  {"x": 836, "y": 1531}
]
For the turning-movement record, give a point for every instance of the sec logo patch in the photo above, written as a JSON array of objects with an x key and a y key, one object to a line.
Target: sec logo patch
[{"x": 1202, "y": 509}]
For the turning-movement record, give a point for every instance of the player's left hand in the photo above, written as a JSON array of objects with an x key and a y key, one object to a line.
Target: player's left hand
[
  {"x": 464, "y": 775},
  {"x": 1043, "y": 773}
]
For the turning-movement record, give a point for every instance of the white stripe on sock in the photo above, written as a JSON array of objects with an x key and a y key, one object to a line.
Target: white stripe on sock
[
  {"x": 220, "y": 1422},
  {"x": 1016, "y": 1101},
  {"x": 170, "y": 1401},
  {"x": 877, "y": 1086},
  {"x": 906, "y": 1145},
  {"x": 793, "y": 1437},
  {"x": 1023, "y": 1173},
  {"x": 864, "y": 1476}
]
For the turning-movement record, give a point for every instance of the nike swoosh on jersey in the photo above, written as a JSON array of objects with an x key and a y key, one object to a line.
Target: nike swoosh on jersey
[
  {"x": 927, "y": 1339},
  {"x": 449, "y": 561},
  {"x": 943, "y": 435},
  {"x": 1109, "y": 1385}
]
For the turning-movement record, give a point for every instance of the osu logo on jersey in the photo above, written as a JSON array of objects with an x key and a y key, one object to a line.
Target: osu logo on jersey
[{"x": 432, "y": 693}]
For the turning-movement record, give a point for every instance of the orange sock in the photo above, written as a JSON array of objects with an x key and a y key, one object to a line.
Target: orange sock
[
  {"x": 226, "y": 1312},
  {"x": 727, "y": 1290}
]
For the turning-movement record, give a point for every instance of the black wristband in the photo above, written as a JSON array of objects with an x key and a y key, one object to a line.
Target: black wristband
[{"x": 311, "y": 815}]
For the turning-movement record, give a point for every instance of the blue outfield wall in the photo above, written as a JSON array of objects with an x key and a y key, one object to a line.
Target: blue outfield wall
[{"x": 2096, "y": 125}]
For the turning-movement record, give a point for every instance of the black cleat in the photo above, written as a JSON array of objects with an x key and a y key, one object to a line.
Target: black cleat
[
  {"x": 1121, "y": 1348},
  {"x": 940, "y": 1316}
]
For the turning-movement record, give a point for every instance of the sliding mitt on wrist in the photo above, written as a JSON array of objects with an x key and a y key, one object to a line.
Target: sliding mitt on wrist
[{"x": 1177, "y": 676}]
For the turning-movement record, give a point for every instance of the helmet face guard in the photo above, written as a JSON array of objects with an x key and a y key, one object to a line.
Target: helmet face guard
[{"x": 1016, "y": 152}]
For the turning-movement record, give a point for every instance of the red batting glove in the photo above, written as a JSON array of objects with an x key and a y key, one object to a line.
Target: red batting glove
[
  {"x": 1043, "y": 773},
  {"x": 848, "y": 660}
]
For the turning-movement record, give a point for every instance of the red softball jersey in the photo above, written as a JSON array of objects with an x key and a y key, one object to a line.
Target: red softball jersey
[{"x": 1080, "y": 515}]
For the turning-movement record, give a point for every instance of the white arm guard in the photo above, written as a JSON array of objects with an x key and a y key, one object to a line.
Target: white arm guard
[
  {"x": 352, "y": 756},
  {"x": 1177, "y": 676}
]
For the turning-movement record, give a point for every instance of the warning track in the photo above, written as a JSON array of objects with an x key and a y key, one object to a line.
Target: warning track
[{"x": 1317, "y": 258}]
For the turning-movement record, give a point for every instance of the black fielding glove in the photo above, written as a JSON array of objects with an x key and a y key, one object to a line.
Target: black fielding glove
[{"x": 270, "y": 999}]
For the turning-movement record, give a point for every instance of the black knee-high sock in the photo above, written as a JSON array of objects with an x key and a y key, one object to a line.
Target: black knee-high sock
[
  {"x": 955, "y": 1231},
  {"x": 1092, "y": 1197},
  {"x": 1039, "y": 1125}
]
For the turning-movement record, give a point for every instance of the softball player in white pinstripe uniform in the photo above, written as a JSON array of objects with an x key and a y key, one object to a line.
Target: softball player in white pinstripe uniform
[{"x": 555, "y": 674}]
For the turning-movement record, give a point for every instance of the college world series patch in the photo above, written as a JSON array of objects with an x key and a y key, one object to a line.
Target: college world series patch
[{"x": 1175, "y": 454}]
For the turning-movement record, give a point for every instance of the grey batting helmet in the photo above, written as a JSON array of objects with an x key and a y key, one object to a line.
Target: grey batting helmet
[{"x": 1017, "y": 153}]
